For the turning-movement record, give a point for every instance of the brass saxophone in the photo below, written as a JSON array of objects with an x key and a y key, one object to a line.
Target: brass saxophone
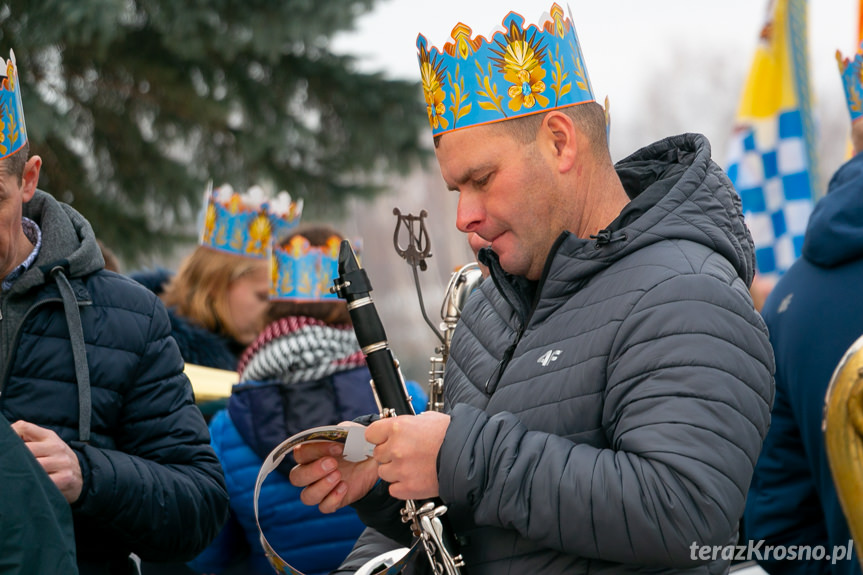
[
  {"x": 461, "y": 284},
  {"x": 843, "y": 437}
]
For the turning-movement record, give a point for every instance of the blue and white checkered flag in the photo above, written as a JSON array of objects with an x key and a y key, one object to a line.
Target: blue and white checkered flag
[{"x": 772, "y": 161}]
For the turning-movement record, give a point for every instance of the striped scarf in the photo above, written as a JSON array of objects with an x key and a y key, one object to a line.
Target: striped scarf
[{"x": 298, "y": 348}]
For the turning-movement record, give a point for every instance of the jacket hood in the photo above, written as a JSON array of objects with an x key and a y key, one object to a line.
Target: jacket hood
[
  {"x": 694, "y": 201},
  {"x": 67, "y": 239},
  {"x": 834, "y": 234}
]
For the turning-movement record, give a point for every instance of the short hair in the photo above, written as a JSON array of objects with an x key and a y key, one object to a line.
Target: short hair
[
  {"x": 332, "y": 312},
  {"x": 199, "y": 290},
  {"x": 14, "y": 164},
  {"x": 112, "y": 262},
  {"x": 589, "y": 117}
]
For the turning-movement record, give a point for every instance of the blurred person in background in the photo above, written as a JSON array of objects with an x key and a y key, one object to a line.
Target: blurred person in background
[
  {"x": 93, "y": 382},
  {"x": 112, "y": 263},
  {"x": 305, "y": 370},
  {"x": 814, "y": 314},
  {"x": 219, "y": 298}
]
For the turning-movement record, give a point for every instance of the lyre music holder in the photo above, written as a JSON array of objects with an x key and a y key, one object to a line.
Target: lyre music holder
[{"x": 417, "y": 250}]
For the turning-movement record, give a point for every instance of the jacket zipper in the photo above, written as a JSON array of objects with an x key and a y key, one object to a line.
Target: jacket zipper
[{"x": 494, "y": 378}]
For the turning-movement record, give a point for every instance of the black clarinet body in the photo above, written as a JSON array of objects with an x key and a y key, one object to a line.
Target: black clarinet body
[
  {"x": 427, "y": 517},
  {"x": 354, "y": 287}
]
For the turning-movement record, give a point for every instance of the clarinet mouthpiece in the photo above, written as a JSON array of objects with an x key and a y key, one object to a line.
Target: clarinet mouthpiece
[
  {"x": 347, "y": 258},
  {"x": 352, "y": 281}
]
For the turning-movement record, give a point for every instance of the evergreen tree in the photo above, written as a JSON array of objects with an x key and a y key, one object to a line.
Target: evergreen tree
[{"x": 134, "y": 105}]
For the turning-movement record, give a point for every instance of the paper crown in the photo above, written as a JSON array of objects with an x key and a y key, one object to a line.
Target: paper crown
[
  {"x": 852, "y": 80},
  {"x": 13, "y": 133},
  {"x": 520, "y": 71},
  {"x": 246, "y": 224},
  {"x": 302, "y": 272}
]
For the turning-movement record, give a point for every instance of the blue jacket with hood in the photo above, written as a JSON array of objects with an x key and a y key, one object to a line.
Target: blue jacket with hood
[
  {"x": 260, "y": 415},
  {"x": 814, "y": 314}
]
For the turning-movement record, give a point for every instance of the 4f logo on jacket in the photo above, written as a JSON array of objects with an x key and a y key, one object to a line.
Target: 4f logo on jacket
[{"x": 548, "y": 357}]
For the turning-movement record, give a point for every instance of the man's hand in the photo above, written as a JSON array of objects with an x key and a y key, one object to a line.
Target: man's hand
[
  {"x": 330, "y": 481},
  {"x": 55, "y": 456},
  {"x": 407, "y": 447}
]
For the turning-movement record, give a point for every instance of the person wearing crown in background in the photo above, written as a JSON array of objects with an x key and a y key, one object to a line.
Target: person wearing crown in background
[
  {"x": 304, "y": 370},
  {"x": 219, "y": 297},
  {"x": 93, "y": 382},
  {"x": 607, "y": 393},
  {"x": 814, "y": 315}
]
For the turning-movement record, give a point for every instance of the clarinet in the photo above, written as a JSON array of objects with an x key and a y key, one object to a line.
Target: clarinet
[{"x": 426, "y": 518}]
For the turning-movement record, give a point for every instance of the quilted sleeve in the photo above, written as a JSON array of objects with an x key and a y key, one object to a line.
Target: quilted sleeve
[{"x": 161, "y": 491}]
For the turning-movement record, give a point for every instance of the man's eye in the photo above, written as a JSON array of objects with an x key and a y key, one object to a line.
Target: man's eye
[{"x": 480, "y": 182}]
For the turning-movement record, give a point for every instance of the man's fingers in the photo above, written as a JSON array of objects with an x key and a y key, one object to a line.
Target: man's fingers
[
  {"x": 305, "y": 474},
  {"x": 328, "y": 493},
  {"x": 379, "y": 431},
  {"x": 308, "y": 452},
  {"x": 315, "y": 493},
  {"x": 29, "y": 431},
  {"x": 335, "y": 499},
  {"x": 41, "y": 450}
]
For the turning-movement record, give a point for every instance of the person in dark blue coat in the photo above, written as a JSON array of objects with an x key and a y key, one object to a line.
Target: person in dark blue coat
[
  {"x": 93, "y": 382},
  {"x": 814, "y": 314},
  {"x": 305, "y": 370}
]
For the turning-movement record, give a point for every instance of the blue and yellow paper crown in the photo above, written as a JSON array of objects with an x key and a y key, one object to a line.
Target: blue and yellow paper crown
[
  {"x": 13, "y": 132},
  {"x": 246, "y": 224},
  {"x": 520, "y": 71},
  {"x": 285, "y": 214},
  {"x": 302, "y": 272},
  {"x": 852, "y": 80}
]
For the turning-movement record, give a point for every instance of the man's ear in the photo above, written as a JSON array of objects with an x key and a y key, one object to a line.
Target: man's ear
[
  {"x": 563, "y": 138},
  {"x": 31, "y": 178}
]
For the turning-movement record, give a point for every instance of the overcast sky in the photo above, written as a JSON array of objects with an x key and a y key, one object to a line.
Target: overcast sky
[
  {"x": 612, "y": 32},
  {"x": 666, "y": 65}
]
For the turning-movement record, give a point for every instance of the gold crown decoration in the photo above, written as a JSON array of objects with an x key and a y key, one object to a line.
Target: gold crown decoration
[
  {"x": 302, "y": 272},
  {"x": 13, "y": 132},
  {"x": 520, "y": 71},
  {"x": 851, "y": 70},
  {"x": 285, "y": 214},
  {"x": 245, "y": 224}
]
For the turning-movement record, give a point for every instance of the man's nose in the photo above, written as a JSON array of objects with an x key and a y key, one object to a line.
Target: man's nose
[{"x": 470, "y": 212}]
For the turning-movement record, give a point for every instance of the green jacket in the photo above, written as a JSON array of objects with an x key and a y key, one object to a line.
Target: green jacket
[{"x": 35, "y": 519}]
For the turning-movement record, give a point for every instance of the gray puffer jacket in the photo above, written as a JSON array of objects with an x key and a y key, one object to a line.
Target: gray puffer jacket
[{"x": 608, "y": 418}]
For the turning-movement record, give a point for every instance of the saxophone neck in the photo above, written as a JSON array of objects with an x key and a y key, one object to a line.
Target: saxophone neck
[{"x": 461, "y": 284}]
